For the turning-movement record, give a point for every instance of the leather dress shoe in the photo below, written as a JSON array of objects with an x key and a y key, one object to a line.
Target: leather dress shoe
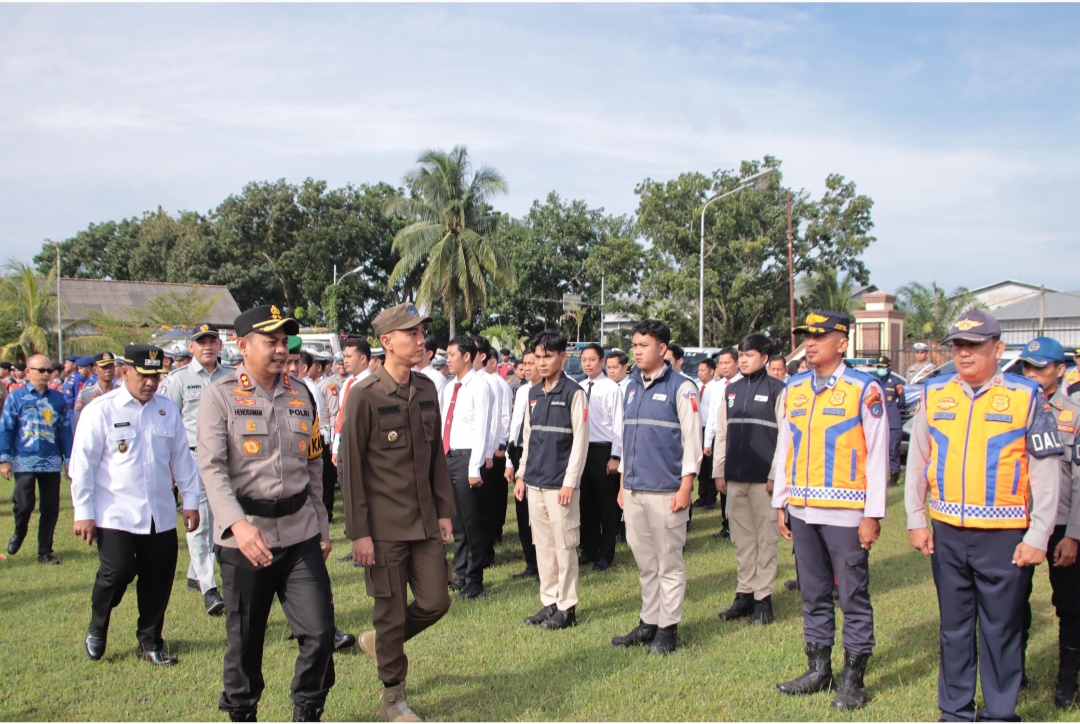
[
  {"x": 157, "y": 657},
  {"x": 642, "y": 635},
  {"x": 48, "y": 559},
  {"x": 194, "y": 585},
  {"x": 95, "y": 643},
  {"x": 561, "y": 619},
  {"x": 14, "y": 544},
  {"x": 472, "y": 591},
  {"x": 601, "y": 565},
  {"x": 342, "y": 640},
  {"x": 527, "y": 573},
  {"x": 542, "y": 615},
  {"x": 307, "y": 712},
  {"x": 215, "y": 604},
  {"x": 585, "y": 558},
  {"x": 245, "y": 715}
]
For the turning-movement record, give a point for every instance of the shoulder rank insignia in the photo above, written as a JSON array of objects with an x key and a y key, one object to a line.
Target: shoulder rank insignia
[{"x": 245, "y": 381}]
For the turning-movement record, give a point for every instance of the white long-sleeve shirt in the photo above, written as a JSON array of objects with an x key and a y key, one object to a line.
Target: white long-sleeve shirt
[
  {"x": 605, "y": 405},
  {"x": 349, "y": 382},
  {"x": 124, "y": 459},
  {"x": 517, "y": 419},
  {"x": 714, "y": 412},
  {"x": 502, "y": 401},
  {"x": 435, "y": 376},
  {"x": 471, "y": 424},
  {"x": 710, "y": 394}
]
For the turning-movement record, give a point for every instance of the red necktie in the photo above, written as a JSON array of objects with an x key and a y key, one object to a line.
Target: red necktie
[
  {"x": 341, "y": 410},
  {"x": 449, "y": 419}
]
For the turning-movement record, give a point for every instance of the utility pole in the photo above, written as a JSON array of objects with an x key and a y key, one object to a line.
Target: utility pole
[
  {"x": 59, "y": 327},
  {"x": 1042, "y": 308},
  {"x": 791, "y": 270}
]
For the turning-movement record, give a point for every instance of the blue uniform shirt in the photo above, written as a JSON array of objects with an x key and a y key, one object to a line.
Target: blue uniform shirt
[{"x": 35, "y": 431}]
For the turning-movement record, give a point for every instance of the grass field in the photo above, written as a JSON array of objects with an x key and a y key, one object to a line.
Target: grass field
[{"x": 480, "y": 663}]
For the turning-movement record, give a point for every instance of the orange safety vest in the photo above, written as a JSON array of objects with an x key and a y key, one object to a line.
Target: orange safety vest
[
  {"x": 978, "y": 465},
  {"x": 826, "y": 457}
]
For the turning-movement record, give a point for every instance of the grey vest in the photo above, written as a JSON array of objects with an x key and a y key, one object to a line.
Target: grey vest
[
  {"x": 551, "y": 433},
  {"x": 652, "y": 436}
]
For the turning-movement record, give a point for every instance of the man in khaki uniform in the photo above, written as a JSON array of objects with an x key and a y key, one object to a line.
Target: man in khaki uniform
[
  {"x": 398, "y": 499},
  {"x": 106, "y": 371},
  {"x": 259, "y": 454}
]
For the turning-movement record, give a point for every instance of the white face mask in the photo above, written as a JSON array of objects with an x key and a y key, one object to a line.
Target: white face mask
[{"x": 882, "y": 371}]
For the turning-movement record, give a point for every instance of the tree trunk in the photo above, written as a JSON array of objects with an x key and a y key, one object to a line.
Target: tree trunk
[{"x": 451, "y": 309}]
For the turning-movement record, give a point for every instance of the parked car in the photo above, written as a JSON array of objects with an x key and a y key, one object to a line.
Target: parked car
[{"x": 692, "y": 357}]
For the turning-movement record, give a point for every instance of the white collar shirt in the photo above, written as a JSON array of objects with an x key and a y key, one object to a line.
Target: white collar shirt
[
  {"x": 605, "y": 412},
  {"x": 710, "y": 393},
  {"x": 713, "y": 419},
  {"x": 351, "y": 380},
  {"x": 517, "y": 419},
  {"x": 435, "y": 376},
  {"x": 471, "y": 424},
  {"x": 502, "y": 401},
  {"x": 124, "y": 459}
]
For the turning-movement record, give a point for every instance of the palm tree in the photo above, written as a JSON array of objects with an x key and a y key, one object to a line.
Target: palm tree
[
  {"x": 31, "y": 304},
  {"x": 825, "y": 290},
  {"x": 447, "y": 237},
  {"x": 930, "y": 311}
]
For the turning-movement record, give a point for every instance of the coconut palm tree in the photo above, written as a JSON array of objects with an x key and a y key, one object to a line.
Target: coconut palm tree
[
  {"x": 930, "y": 311},
  {"x": 31, "y": 304},
  {"x": 825, "y": 290},
  {"x": 448, "y": 236}
]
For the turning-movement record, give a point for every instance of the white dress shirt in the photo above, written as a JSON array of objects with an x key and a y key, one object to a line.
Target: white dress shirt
[
  {"x": 471, "y": 425},
  {"x": 124, "y": 459},
  {"x": 435, "y": 376},
  {"x": 316, "y": 394},
  {"x": 517, "y": 419},
  {"x": 349, "y": 382},
  {"x": 605, "y": 405},
  {"x": 711, "y": 394},
  {"x": 714, "y": 411},
  {"x": 502, "y": 401}
]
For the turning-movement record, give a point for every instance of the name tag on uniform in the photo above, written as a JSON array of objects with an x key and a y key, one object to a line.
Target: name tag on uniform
[
  {"x": 797, "y": 413},
  {"x": 834, "y": 411},
  {"x": 659, "y": 397},
  {"x": 389, "y": 409},
  {"x": 998, "y": 418},
  {"x": 558, "y": 403},
  {"x": 944, "y": 415},
  {"x": 427, "y": 404},
  {"x": 761, "y": 398}
]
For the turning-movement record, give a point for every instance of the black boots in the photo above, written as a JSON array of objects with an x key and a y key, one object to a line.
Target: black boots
[
  {"x": 306, "y": 712},
  {"x": 741, "y": 607},
  {"x": 244, "y": 715},
  {"x": 818, "y": 675},
  {"x": 542, "y": 615},
  {"x": 665, "y": 640},
  {"x": 851, "y": 694},
  {"x": 1068, "y": 666},
  {"x": 640, "y": 636},
  {"x": 762, "y": 614}
]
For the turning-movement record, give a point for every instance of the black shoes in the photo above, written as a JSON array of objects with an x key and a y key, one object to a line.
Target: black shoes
[
  {"x": 586, "y": 558},
  {"x": 95, "y": 643},
  {"x": 818, "y": 675},
  {"x": 665, "y": 640},
  {"x": 601, "y": 565},
  {"x": 762, "y": 615},
  {"x": 194, "y": 585},
  {"x": 542, "y": 615},
  {"x": 14, "y": 544},
  {"x": 724, "y": 532},
  {"x": 640, "y": 636},
  {"x": 306, "y": 712},
  {"x": 342, "y": 640},
  {"x": 157, "y": 657},
  {"x": 472, "y": 591},
  {"x": 851, "y": 694},
  {"x": 705, "y": 504},
  {"x": 48, "y": 559},
  {"x": 347, "y": 558},
  {"x": 527, "y": 573},
  {"x": 246, "y": 715},
  {"x": 894, "y": 480},
  {"x": 1068, "y": 665},
  {"x": 215, "y": 604},
  {"x": 791, "y": 585},
  {"x": 457, "y": 585},
  {"x": 741, "y": 607},
  {"x": 561, "y": 620}
]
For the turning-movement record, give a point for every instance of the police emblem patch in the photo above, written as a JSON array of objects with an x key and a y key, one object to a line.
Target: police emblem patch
[
  {"x": 946, "y": 403},
  {"x": 1066, "y": 416},
  {"x": 245, "y": 401},
  {"x": 967, "y": 324},
  {"x": 303, "y": 426},
  {"x": 1001, "y": 402},
  {"x": 296, "y": 403},
  {"x": 251, "y": 426},
  {"x": 251, "y": 447},
  {"x": 837, "y": 397},
  {"x": 303, "y": 446},
  {"x": 873, "y": 403},
  {"x": 799, "y": 400}
]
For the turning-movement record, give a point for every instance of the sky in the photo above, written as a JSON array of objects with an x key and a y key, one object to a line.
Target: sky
[{"x": 958, "y": 120}]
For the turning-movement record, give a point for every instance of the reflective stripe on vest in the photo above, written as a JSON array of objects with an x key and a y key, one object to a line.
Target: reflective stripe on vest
[{"x": 652, "y": 435}]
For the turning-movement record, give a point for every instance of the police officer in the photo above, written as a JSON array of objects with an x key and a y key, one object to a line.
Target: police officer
[
  {"x": 186, "y": 387},
  {"x": 1044, "y": 361},
  {"x": 398, "y": 499},
  {"x": 181, "y": 355},
  {"x": 105, "y": 363},
  {"x": 260, "y": 457},
  {"x": 329, "y": 388},
  {"x": 922, "y": 366},
  {"x": 984, "y": 449},
  {"x": 69, "y": 387},
  {"x": 833, "y": 483},
  {"x": 129, "y": 447},
  {"x": 895, "y": 407},
  {"x": 84, "y": 367}
]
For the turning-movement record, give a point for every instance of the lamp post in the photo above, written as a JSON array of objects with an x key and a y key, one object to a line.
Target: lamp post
[
  {"x": 803, "y": 195},
  {"x": 750, "y": 181},
  {"x": 337, "y": 279}
]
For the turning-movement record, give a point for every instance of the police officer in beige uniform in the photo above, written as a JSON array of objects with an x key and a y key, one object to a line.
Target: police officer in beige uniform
[
  {"x": 259, "y": 452},
  {"x": 105, "y": 363},
  {"x": 398, "y": 499}
]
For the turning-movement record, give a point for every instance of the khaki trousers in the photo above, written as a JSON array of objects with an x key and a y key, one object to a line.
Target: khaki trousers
[
  {"x": 556, "y": 532},
  {"x": 752, "y": 521},
  {"x": 657, "y": 536}
]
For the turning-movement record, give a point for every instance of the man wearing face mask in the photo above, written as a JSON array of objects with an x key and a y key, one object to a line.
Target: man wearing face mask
[{"x": 895, "y": 406}]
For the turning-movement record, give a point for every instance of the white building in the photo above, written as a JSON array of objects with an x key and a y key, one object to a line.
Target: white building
[
  {"x": 1005, "y": 292},
  {"x": 1059, "y": 312}
]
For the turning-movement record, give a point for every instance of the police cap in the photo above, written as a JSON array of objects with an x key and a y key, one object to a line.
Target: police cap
[
  {"x": 72, "y": 358},
  {"x": 1043, "y": 351},
  {"x": 974, "y": 325},
  {"x": 84, "y": 362},
  {"x": 265, "y": 318},
  {"x": 823, "y": 321},
  {"x": 294, "y": 344},
  {"x": 104, "y": 359},
  {"x": 204, "y": 329},
  {"x": 145, "y": 358},
  {"x": 882, "y": 361}
]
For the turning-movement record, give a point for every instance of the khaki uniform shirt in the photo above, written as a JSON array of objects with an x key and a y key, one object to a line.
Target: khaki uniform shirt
[
  {"x": 329, "y": 387},
  {"x": 88, "y": 395},
  {"x": 394, "y": 479},
  {"x": 261, "y": 444}
]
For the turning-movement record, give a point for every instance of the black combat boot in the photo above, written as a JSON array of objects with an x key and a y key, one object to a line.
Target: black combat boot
[
  {"x": 741, "y": 607},
  {"x": 763, "y": 614},
  {"x": 306, "y": 712},
  {"x": 244, "y": 715},
  {"x": 1068, "y": 666},
  {"x": 851, "y": 694},
  {"x": 666, "y": 640},
  {"x": 818, "y": 675},
  {"x": 640, "y": 636}
]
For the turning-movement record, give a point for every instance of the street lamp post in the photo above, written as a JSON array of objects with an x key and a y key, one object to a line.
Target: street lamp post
[
  {"x": 338, "y": 279},
  {"x": 803, "y": 195},
  {"x": 750, "y": 181}
]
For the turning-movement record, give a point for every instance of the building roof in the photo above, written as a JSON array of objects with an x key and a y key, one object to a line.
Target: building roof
[
  {"x": 1059, "y": 305},
  {"x": 80, "y": 296},
  {"x": 1004, "y": 283}
]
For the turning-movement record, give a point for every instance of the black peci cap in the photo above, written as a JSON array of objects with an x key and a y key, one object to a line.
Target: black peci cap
[
  {"x": 265, "y": 319},
  {"x": 145, "y": 358}
]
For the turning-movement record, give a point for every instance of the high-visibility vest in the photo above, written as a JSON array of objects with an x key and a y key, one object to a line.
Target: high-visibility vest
[
  {"x": 978, "y": 465},
  {"x": 826, "y": 457}
]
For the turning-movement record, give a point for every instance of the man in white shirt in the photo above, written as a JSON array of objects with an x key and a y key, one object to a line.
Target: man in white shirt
[
  {"x": 617, "y": 367},
  {"x": 494, "y": 482},
  {"x": 529, "y": 376},
  {"x": 600, "y": 511},
  {"x": 712, "y": 392},
  {"x": 129, "y": 447},
  {"x": 357, "y": 355},
  {"x": 424, "y": 366},
  {"x": 727, "y": 371},
  {"x": 467, "y": 405}
]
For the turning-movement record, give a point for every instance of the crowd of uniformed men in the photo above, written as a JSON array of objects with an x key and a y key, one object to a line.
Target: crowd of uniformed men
[{"x": 425, "y": 444}]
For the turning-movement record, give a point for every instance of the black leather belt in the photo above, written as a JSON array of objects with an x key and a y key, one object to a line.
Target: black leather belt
[
  {"x": 459, "y": 452},
  {"x": 273, "y": 508}
]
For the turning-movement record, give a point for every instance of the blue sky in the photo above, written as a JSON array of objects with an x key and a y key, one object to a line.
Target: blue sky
[{"x": 959, "y": 120}]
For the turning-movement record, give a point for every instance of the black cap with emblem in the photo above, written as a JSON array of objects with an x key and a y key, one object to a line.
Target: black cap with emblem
[
  {"x": 974, "y": 325},
  {"x": 823, "y": 321},
  {"x": 265, "y": 318},
  {"x": 204, "y": 329},
  {"x": 104, "y": 359},
  {"x": 145, "y": 358}
]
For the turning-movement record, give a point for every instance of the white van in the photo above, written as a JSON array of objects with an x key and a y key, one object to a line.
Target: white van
[{"x": 322, "y": 341}]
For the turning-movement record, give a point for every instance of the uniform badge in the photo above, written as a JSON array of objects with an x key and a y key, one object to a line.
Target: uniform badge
[
  {"x": 1001, "y": 402},
  {"x": 251, "y": 426},
  {"x": 946, "y": 403},
  {"x": 251, "y": 447},
  {"x": 303, "y": 446},
  {"x": 241, "y": 391},
  {"x": 965, "y": 325},
  {"x": 285, "y": 379},
  {"x": 1066, "y": 416},
  {"x": 873, "y": 403},
  {"x": 837, "y": 397},
  {"x": 296, "y": 403},
  {"x": 799, "y": 400},
  {"x": 392, "y": 436},
  {"x": 333, "y": 389},
  {"x": 630, "y": 397},
  {"x": 293, "y": 392},
  {"x": 161, "y": 412},
  {"x": 245, "y": 401},
  {"x": 122, "y": 447},
  {"x": 245, "y": 380},
  {"x": 303, "y": 426}
]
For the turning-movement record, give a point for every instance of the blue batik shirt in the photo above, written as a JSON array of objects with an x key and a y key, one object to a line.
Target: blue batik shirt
[{"x": 35, "y": 431}]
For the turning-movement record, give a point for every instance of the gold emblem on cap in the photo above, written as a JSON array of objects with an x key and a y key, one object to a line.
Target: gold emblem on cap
[
  {"x": 816, "y": 319},
  {"x": 392, "y": 436},
  {"x": 122, "y": 447},
  {"x": 152, "y": 353},
  {"x": 965, "y": 324},
  {"x": 204, "y": 328},
  {"x": 275, "y": 313}
]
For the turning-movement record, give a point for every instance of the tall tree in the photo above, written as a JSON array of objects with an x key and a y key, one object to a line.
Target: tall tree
[
  {"x": 930, "y": 311},
  {"x": 31, "y": 304},
  {"x": 448, "y": 237},
  {"x": 824, "y": 289}
]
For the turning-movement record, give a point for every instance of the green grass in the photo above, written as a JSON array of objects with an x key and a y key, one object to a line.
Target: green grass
[{"x": 480, "y": 663}]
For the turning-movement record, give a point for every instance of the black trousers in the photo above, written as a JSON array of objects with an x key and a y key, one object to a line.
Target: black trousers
[
  {"x": 496, "y": 490},
  {"x": 1065, "y": 584},
  {"x": 706, "y": 485},
  {"x": 23, "y": 501},
  {"x": 896, "y": 436},
  {"x": 977, "y": 583},
  {"x": 298, "y": 577},
  {"x": 329, "y": 482},
  {"x": 472, "y": 532},
  {"x": 122, "y": 556},
  {"x": 521, "y": 508},
  {"x": 600, "y": 511}
]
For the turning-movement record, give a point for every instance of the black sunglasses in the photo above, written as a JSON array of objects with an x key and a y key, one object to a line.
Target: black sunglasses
[{"x": 42, "y": 370}]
